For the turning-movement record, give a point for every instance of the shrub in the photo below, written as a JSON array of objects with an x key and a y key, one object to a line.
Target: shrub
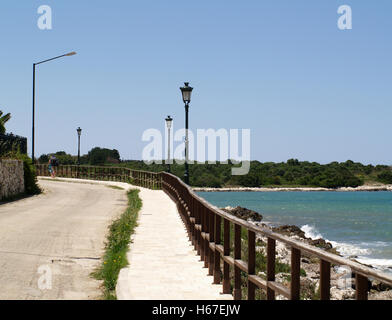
[{"x": 385, "y": 177}]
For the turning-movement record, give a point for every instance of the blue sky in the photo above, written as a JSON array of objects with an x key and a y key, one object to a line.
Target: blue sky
[{"x": 283, "y": 69}]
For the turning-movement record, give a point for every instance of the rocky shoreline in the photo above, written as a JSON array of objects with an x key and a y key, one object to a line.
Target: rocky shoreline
[
  {"x": 373, "y": 188},
  {"x": 342, "y": 282}
]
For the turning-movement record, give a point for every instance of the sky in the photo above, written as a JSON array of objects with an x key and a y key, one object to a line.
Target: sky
[{"x": 281, "y": 68}]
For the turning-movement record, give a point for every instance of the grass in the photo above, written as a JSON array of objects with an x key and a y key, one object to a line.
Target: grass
[
  {"x": 116, "y": 247},
  {"x": 116, "y": 187}
]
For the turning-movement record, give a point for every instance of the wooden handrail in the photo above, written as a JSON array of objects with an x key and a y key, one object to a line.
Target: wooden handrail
[
  {"x": 151, "y": 180},
  {"x": 201, "y": 219}
]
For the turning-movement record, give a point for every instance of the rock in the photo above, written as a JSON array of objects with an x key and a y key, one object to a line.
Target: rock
[
  {"x": 385, "y": 295},
  {"x": 321, "y": 243},
  {"x": 290, "y": 231},
  {"x": 379, "y": 286},
  {"x": 308, "y": 288},
  {"x": 342, "y": 294},
  {"x": 304, "y": 260},
  {"x": 244, "y": 213}
]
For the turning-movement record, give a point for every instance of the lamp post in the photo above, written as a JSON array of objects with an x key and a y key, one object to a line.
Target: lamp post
[
  {"x": 33, "y": 126},
  {"x": 169, "y": 121},
  {"x": 186, "y": 97},
  {"x": 79, "y": 131}
]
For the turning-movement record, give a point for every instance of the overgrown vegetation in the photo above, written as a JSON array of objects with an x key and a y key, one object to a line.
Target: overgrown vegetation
[{"x": 117, "y": 246}]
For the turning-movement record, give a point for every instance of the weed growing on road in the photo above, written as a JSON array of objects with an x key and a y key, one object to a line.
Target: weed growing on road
[
  {"x": 115, "y": 187},
  {"x": 117, "y": 246}
]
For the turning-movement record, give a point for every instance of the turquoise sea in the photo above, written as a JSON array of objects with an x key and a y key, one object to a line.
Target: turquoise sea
[{"x": 356, "y": 223}]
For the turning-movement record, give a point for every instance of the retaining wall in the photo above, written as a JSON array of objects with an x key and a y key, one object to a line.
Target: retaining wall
[{"x": 11, "y": 178}]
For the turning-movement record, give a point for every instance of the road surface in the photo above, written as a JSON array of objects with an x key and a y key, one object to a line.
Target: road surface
[{"x": 56, "y": 240}]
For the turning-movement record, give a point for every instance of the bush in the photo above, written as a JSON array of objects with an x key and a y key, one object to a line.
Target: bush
[{"x": 385, "y": 177}]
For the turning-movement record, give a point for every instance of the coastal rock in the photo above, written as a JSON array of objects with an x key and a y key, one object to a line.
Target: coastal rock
[
  {"x": 342, "y": 294},
  {"x": 290, "y": 231},
  {"x": 244, "y": 213},
  {"x": 321, "y": 243},
  {"x": 384, "y": 295},
  {"x": 379, "y": 286}
]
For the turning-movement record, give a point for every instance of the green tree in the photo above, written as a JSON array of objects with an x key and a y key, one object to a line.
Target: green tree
[
  {"x": 100, "y": 156},
  {"x": 385, "y": 177},
  {"x": 3, "y": 120},
  {"x": 43, "y": 159}
]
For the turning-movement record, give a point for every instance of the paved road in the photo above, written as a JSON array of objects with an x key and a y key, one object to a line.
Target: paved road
[{"x": 62, "y": 232}]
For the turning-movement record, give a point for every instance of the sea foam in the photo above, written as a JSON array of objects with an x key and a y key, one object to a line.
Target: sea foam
[{"x": 360, "y": 253}]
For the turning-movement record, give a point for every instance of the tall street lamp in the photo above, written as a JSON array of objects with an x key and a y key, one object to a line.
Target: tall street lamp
[
  {"x": 169, "y": 121},
  {"x": 79, "y": 131},
  {"x": 186, "y": 97},
  {"x": 33, "y": 128}
]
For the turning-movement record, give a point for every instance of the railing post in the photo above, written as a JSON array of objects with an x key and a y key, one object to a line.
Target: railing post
[
  {"x": 226, "y": 252},
  {"x": 237, "y": 256},
  {"x": 202, "y": 230},
  {"x": 198, "y": 231},
  {"x": 251, "y": 263},
  {"x": 361, "y": 287},
  {"x": 192, "y": 210},
  {"x": 325, "y": 279},
  {"x": 211, "y": 232},
  {"x": 295, "y": 273},
  {"x": 206, "y": 243},
  {"x": 271, "y": 247},
  {"x": 217, "y": 259}
]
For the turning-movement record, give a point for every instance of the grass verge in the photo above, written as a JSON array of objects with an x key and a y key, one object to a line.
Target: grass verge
[{"x": 116, "y": 248}]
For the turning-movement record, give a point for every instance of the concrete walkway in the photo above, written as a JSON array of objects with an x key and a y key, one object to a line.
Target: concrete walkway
[{"x": 163, "y": 264}]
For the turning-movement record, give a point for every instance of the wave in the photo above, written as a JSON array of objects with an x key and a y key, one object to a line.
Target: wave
[
  {"x": 345, "y": 249},
  {"x": 360, "y": 253},
  {"x": 311, "y": 232},
  {"x": 381, "y": 264}
]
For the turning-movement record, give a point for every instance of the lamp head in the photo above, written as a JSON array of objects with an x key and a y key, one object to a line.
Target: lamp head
[
  {"x": 186, "y": 93},
  {"x": 169, "y": 121}
]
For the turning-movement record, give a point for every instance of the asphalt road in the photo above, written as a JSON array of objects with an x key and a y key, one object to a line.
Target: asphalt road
[{"x": 49, "y": 244}]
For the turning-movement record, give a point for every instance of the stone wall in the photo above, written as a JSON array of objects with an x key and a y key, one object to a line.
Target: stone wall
[{"x": 11, "y": 178}]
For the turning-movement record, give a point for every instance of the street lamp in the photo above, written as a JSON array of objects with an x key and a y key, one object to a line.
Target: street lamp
[
  {"x": 186, "y": 97},
  {"x": 33, "y": 127},
  {"x": 79, "y": 131},
  {"x": 169, "y": 121}
]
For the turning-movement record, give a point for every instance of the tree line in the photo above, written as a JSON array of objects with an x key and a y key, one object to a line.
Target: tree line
[{"x": 293, "y": 173}]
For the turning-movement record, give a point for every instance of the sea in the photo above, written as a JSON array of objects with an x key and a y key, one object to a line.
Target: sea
[{"x": 357, "y": 224}]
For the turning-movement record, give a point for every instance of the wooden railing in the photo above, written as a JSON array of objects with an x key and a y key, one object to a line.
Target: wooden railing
[
  {"x": 150, "y": 180},
  {"x": 204, "y": 224}
]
